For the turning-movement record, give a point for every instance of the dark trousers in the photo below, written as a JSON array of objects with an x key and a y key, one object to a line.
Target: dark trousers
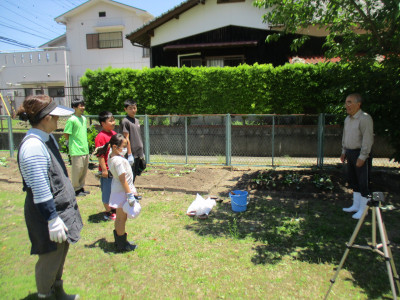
[
  {"x": 49, "y": 268},
  {"x": 135, "y": 168},
  {"x": 358, "y": 178}
]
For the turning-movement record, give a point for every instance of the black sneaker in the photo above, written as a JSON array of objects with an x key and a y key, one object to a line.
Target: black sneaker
[
  {"x": 79, "y": 194},
  {"x": 85, "y": 192}
]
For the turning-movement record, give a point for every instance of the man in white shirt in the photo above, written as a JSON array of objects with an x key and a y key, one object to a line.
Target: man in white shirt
[{"x": 358, "y": 137}]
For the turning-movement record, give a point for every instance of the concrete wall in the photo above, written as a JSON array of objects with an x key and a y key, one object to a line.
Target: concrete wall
[{"x": 293, "y": 141}]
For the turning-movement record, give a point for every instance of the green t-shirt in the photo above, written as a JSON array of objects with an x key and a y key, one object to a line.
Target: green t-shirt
[{"x": 76, "y": 127}]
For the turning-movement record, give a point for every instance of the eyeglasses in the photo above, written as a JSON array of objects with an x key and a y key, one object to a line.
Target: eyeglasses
[{"x": 349, "y": 103}]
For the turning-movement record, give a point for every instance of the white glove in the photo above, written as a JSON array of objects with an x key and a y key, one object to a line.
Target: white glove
[
  {"x": 131, "y": 199},
  {"x": 57, "y": 230},
  {"x": 131, "y": 160}
]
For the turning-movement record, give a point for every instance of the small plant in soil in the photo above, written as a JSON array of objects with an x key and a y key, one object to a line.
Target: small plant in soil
[
  {"x": 323, "y": 181},
  {"x": 292, "y": 179},
  {"x": 3, "y": 162},
  {"x": 265, "y": 179}
]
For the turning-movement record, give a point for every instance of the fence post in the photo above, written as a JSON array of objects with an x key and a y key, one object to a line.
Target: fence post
[
  {"x": 228, "y": 140},
  {"x": 186, "y": 141},
  {"x": 273, "y": 140},
  {"x": 146, "y": 138},
  {"x": 10, "y": 136},
  {"x": 321, "y": 132}
]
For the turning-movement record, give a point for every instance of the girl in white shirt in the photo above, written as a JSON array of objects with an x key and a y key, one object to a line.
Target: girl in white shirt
[{"x": 123, "y": 192}]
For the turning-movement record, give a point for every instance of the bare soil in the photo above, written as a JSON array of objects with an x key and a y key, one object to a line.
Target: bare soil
[{"x": 219, "y": 181}]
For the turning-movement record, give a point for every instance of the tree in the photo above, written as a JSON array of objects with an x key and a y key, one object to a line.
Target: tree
[
  {"x": 357, "y": 31},
  {"x": 353, "y": 27}
]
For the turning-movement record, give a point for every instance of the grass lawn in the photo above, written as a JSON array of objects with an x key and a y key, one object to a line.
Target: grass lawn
[{"x": 277, "y": 249}]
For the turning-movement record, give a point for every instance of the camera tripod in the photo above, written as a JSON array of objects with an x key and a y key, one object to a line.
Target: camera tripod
[{"x": 373, "y": 203}]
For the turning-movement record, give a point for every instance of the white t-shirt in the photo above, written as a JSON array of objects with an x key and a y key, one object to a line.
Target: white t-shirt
[{"x": 119, "y": 165}]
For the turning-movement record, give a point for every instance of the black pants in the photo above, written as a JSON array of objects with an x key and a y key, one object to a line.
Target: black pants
[
  {"x": 135, "y": 168},
  {"x": 358, "y": 178}
]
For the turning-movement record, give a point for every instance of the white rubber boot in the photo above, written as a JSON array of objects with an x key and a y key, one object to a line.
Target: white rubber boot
[
  {"x": 356, "y": 203},
  {"x": 363, "y": 205}
]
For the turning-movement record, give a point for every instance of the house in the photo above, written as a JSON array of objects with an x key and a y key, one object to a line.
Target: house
[
  {"x": 216, "y": 33},
  {"x": 94, "y": 38}
]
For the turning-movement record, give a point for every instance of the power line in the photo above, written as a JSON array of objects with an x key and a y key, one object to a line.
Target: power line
[
  {"x": 14, "y": 42},
  {"x": 29, "y": 12},
  {"x": 29, "y": 20},
  {"x": 42, "y": 37},
  {"x": 13, "y": 22},
  {"x": 61, "y": 3}
]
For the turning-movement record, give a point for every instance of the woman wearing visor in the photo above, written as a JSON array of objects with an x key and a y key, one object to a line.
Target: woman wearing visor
[{"x": 51, "y": 212}]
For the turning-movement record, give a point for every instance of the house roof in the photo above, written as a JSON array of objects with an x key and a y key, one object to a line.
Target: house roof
[
  {"x": 312, "y": 59},
  {"x": 142, "y": 35},
  {"x": 88, "y": 4},
  {"x": 60, "y": 39}
]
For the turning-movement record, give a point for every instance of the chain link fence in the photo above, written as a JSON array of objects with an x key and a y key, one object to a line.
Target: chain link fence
[{"x": 233, "y": 140}]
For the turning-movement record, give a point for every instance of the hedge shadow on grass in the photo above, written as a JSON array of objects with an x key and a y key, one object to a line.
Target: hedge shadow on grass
[{"x": 308, "y": 228}]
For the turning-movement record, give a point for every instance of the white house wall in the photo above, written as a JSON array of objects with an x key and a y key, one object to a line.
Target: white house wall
[
  {"x": 88, "y": 22},
  {"x": 202, "y": 18},
  {"x": 39, "y": 68}
]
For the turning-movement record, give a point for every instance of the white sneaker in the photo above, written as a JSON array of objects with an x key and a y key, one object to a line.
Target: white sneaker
[
  {"x": 356, "y": 203},
  {"x": 363, "y": 206}
]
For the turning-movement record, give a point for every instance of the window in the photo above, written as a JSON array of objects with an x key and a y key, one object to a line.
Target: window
[
  {"x": 146, "y": 52},
  {"x": 191, "y": 62},
  {"x": 219, "y": 61},
  {"x": 104, "y": 40},
  {"x": 215, "y": 62},
  {"x": 102, "y": 14},
  {"x": 56, "y": 91},
  {"x": 231, "y": 61},
  {"x": 28, "y": 92},
  {"x": 110, "y": 40}
]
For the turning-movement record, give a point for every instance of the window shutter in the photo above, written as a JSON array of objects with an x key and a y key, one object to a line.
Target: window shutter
[{"x": 92, "y": 41}]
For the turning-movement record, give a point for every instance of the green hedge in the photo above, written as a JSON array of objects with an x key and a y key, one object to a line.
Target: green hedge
[{"x": 257, "y": 89}]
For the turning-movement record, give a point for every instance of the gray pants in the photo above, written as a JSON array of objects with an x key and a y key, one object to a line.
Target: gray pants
[
  {"x": 49, "y": 268},
  {"x": 79, "y": 168}
]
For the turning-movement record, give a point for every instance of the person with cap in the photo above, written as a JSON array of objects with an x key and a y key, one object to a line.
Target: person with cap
[
  {"x": 51, "y": 212},
  {"x": 358, "y": 137}
]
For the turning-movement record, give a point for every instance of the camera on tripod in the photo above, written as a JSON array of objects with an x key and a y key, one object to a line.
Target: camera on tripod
[
  {"x": 383, "y": 248},
  {"x": 375, "y": 199}
]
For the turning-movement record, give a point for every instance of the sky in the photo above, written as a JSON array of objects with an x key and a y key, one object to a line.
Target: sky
[{"x": 28, "y": 24}]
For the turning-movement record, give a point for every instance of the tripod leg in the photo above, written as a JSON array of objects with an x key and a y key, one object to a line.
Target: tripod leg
[
  {"x": 395, "y": 274},
  {"x": 349, "y": 245},
  {"x": 388, "y": 256}
]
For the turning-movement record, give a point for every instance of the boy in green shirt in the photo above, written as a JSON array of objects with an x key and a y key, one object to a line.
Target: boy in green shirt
[{"x": 75, "y": 132}]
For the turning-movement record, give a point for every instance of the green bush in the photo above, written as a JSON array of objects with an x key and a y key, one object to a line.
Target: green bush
[
  {"x": 91, "y": 135},
  {"x": 257, "y": 89}
]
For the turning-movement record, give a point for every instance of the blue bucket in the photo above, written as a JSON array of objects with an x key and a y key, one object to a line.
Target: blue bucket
[{"x": 239, "y": 201}]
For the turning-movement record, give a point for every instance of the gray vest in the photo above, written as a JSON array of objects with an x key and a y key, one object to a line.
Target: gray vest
[{"x": 65, "y": 202}]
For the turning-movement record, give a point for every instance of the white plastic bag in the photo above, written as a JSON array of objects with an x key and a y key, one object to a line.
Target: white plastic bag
[
  {"x": 200, "y": 206},
  {"x": 132, "y": 211}
]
